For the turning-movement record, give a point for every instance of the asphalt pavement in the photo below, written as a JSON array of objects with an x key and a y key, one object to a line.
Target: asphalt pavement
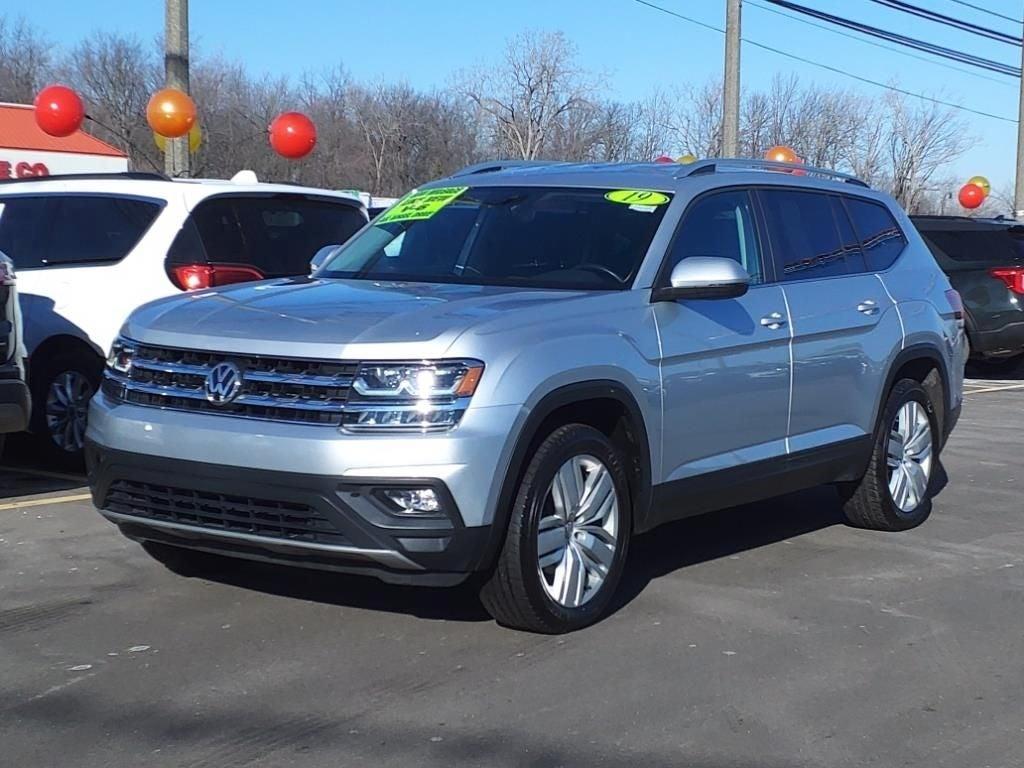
[{"x": 764, "y": 636}]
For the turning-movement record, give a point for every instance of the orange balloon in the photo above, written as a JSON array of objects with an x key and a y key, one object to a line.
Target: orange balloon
[
  {"x": 781, "y": 154},
  {"x": 170, "y": 113}
]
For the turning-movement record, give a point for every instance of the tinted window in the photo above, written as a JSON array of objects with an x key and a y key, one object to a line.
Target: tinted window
[
  {"x": 805, "y": 241},
  {"x": 277, "y": 235},
  {"x": 89, "y": 230},
  {"x": 720, "y": 224},
  {"x": 977, "y": 242},
  {"x": 523, "y": 236},
  {"x": 21, "y": 225},
  {"x": 879, "y": 233},
  {"x": 850, "y": 242}
]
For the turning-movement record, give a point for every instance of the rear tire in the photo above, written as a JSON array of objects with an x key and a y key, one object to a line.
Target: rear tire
[
  {"x": 62, "y": 386},
  {"x": 568, "y": 536},
  {"x": 895, "y": 492}
]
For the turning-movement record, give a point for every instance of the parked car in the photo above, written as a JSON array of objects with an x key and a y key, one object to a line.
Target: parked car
[
  {"x": 513, "y": 370},
  {"x": 90, "y": 248},
  {"x": 14, "y": 396},
  {"x": 984, "y": 259}
]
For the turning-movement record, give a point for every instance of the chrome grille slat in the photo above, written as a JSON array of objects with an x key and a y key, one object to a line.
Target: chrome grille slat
[{"x": 273, "y": 388}]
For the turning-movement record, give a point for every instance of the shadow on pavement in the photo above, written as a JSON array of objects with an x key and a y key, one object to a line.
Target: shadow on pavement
[
  {"x": 652, "y": 555},
  {"x": 1006, "y": 370}
]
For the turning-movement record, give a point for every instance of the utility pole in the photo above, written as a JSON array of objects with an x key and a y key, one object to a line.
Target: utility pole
[
  {"x": 176, "y": 159},
  {"x": 731, "y": 86},
  {"x": 1018, "y": 193}
]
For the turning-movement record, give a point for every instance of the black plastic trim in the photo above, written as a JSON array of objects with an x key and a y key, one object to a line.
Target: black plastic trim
[
  {"x": 921, "y": 351},
  {"x": 758, "y": 480},
  {"x": 442, "y": 544}
]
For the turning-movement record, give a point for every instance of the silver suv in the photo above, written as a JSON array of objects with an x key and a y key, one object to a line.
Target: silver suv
[{"x": 513, "y": 370}]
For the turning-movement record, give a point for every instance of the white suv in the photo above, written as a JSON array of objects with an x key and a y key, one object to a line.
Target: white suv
[{"x": 90, "y": 248}]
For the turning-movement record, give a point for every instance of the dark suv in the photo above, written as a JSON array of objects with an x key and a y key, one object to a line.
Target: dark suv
[
  {"x": 14, "y": 398},
  {"x": 984, "y": 259}
]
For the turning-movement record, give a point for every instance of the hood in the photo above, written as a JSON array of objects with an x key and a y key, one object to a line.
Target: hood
[{"x": 302, "y": 317}]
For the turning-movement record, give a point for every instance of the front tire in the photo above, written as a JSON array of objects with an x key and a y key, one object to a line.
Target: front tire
[
  {"x": 62, "y": 387},
  {"x": 895, "y": 492},
  {"x": 568, "y": 536}
]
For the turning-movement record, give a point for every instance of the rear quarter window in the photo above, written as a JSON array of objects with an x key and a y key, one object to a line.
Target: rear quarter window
[{"x": 882, "y": 240}]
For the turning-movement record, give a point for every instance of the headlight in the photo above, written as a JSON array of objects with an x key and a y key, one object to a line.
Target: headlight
[
  {"x": 120, "y": 358},
  {"x": 420, "y": 397}
]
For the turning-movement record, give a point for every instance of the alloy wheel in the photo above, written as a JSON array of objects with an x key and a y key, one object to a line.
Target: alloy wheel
[
  {"x": 577, "y": 535},
  {"x": 67, "y": 407},
  {"x": 909, "y": 456}
]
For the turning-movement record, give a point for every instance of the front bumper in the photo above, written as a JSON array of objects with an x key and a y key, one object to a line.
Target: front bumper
[
  {"x": 15, "y": 404},
  {"x": 314, "y": 521}
]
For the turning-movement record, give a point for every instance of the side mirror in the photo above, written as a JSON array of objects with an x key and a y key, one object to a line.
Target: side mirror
[
  {"x": 321, "y": 256},
  {"x": 704, "y": 277}
]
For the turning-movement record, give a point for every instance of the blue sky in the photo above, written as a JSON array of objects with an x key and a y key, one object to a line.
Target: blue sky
[{"x": 425, "y": 42}]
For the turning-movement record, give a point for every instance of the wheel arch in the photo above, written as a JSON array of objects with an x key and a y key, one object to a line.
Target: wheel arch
[
  {"x": 917, "y": 362},
  {"x": 621, "y": 420},
  {"x": 58, "y": 344}
]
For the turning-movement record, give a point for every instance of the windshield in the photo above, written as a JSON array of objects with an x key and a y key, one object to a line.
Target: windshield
[{"x": 538, "y": 237}]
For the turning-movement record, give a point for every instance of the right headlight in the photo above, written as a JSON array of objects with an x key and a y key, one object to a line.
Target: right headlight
[
  {"x": 424, "y": 396},
  {"x": 119, "y": 360}
]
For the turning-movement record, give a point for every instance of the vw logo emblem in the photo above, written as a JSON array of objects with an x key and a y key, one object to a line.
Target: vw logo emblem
[{"x": 223, "y": 383}]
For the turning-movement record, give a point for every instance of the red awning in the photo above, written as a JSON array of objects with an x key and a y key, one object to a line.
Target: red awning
[{"x": 18, "y": 130}]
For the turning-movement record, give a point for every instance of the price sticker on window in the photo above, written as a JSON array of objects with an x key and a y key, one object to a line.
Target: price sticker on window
[
  {"x": 418, "y": 206},
  {"x": 642, "y": 198}
]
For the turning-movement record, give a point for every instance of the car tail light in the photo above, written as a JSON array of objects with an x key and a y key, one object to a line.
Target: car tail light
[
  {"x": 1012, "y": 276},
  {"x": 192, "y": 277},
  {"x": 958, "y": 306}
]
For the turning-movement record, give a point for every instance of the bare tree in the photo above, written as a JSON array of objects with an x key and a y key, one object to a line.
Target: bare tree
[
  {"x": 25, "y": 61},
  {"x": 531, "y": 93},
  {"x": 923, "y": 138},
  {"x": 115, "y": 76}
]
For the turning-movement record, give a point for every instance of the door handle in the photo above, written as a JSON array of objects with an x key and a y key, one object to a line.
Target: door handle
[
  {"x": 868, "y": 307},
  {"x": 774, "y": 321}
]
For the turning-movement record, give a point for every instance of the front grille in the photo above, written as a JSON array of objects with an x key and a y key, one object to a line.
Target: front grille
[
  {"x": 275, "y": 388},
  {"x": 223, "y": 512}
]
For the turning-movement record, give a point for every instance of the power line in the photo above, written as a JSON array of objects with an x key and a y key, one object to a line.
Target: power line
[
  {"x": 986, "y": 10},
  {"x": 949, "y": 21},
  {"x": 894, "y": 37},
  {"x": 893, "y": 49},
  {"x": 836, "y": 70}
]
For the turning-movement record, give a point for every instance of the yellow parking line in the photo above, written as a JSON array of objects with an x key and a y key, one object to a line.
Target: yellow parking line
[{"x": 44, "y": 502}]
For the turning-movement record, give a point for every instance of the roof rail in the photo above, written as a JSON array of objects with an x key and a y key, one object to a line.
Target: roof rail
[
  {"x": 502, "y": 165},
  {"x": 702, "y": 167},
  {"x": 140, "y": 175}
]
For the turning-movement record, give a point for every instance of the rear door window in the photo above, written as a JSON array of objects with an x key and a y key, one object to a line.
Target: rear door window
[
  {"x": 881, "y": 237},
  {"x": 277, "y": 235},
  {"x": 94, "y": 229},
  {"x": 22, "y": 225},
  {"x": 804, "y": 238}
]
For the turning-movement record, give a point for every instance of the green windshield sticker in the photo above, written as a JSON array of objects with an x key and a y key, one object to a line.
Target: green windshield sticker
[
  {"x": 636, "y": 197},
  {"x": 418, "y": 206}
]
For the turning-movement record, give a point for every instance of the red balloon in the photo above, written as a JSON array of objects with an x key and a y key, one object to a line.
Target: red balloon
[
  {"x": 971, "y": 196},
  {"x": 664, "y": 159},
  {"x": 59, "y": 110},
  {"x": 292, "y": 135},
  {"x": 781, "y": 154}
]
